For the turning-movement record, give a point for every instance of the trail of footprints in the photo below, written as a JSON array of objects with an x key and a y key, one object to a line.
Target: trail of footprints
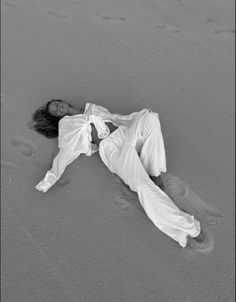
[
  {"x": 23, "y": 145},
  {"x": 26, "y": 147},
  {"x": 163, "y": 26}
]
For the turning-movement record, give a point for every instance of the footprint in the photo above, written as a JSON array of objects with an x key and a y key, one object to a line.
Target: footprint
[
  {"x": 221, "y": 30},
  {"x": 113, "y": 18},
  {"x": 26, "y": 147},
  {"x": 168, "y": 28},
  {"x": 8, "y": 165},
  {"x": 10, "y": 3},
  {"x": 58, "y": 14},
  {"x": 121, "y": 203},
  {"x": 209, "y": 20}
]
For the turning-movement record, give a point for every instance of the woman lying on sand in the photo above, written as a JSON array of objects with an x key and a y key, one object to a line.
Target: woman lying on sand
[{"x": 132, "y": 147}]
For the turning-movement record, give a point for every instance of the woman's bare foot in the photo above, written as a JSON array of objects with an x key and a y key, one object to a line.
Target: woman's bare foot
[
  {"x": 199, "y": 238},
  {"x": 204, "y": 242}
]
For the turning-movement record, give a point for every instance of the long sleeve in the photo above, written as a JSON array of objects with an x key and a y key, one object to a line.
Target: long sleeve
[
  {"x": 64, "y": 157},
  {"x": 115, "y": 118}
]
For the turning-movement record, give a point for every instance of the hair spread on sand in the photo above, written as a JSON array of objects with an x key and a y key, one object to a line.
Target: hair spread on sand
[{"x": 43, "y": 122}]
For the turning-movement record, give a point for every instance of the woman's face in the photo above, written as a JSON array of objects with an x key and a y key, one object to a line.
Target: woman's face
[{"x": 58, "y": 109}]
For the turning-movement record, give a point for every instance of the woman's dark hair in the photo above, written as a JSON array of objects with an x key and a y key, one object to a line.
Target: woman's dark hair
[{"x": 45, "y": 123}]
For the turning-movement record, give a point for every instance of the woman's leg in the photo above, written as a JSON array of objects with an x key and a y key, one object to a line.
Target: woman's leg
[
  {"x": 124, "y": 161},
  {"x": 187, "y": 200},
  {"x": 182, "y": 195},
  {"x": 152, "y": 154}
]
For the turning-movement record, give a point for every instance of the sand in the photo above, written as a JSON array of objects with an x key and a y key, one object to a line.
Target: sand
[{"x": 88, "y": 238}]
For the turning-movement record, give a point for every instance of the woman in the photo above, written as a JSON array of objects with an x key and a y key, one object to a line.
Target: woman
[{"x": 132, "y": 147}]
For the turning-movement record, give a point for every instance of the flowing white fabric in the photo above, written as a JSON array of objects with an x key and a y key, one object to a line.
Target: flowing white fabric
[
  {"x": 75, "y": 138},
  {"x": 135, "y": 153}
]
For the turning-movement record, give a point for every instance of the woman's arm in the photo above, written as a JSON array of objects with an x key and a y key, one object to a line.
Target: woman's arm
[
  {"x": 63, "y": 159},
  {"x": 115, "y": 118}
]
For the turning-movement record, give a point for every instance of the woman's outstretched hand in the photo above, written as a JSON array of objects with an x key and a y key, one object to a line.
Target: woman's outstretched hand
[{"x": 42, "y": 186}]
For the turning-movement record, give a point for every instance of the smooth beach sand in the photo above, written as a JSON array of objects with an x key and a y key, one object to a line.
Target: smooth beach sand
[{"x": 88, "y": 239}]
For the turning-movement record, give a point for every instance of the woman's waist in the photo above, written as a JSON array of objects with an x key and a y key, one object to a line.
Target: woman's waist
[{"x": 94, "y": 135}]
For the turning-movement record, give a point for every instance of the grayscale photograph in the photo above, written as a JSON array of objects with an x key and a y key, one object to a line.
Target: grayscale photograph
[{"x": 117, "y": 151}]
